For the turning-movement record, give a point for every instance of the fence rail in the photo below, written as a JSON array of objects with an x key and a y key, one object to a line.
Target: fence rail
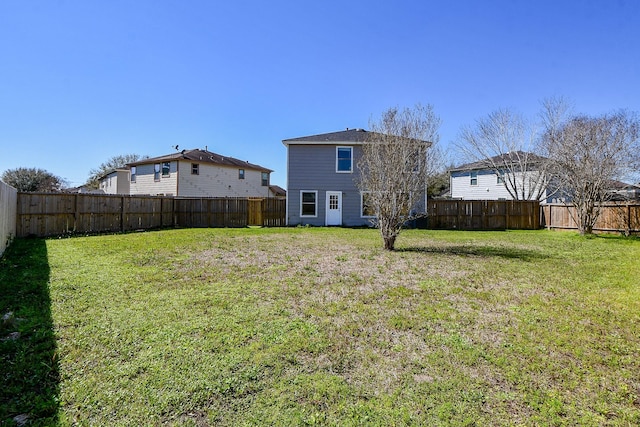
[
  {"x": 614, "y": 217},
  {"x": 50, "y": 214},
  {"x": 483, "y": 214}
]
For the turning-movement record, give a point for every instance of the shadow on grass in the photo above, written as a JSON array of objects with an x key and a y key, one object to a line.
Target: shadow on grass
[
  {"x": 482, "y": 251},
  {"x": 28, "y": 358}
]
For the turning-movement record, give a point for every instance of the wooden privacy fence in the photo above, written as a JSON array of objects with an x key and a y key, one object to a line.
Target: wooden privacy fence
[
  {"x": 614, "y": 217},
  {"x": 50, "y": 214},
  {"x": 483, "y": 214}
]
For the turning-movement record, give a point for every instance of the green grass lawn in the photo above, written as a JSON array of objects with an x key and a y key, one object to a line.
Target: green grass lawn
[{"x": 320, "y": 326}]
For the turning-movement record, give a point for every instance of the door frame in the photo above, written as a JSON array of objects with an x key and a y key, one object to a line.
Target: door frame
[{"x": 327, "y": 198}]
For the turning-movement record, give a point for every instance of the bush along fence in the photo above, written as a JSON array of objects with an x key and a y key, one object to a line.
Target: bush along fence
[
  {"x": 616, "y": 217},
  {"x": 53, "y": 214}
]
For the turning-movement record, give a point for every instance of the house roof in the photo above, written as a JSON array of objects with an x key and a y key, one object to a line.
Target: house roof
[
  {"x": 278, "y": 191},
  {"x": 497, "y": 160},
  {"x": 203, "y": 156},
  {"x": 112, "y": 171},
  {"x": 349, "y": 136}
]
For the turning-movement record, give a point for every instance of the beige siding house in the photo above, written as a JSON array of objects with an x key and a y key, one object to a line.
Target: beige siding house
[
  {"x": 198, "y": 173},
  {"x": 115, "y": 182}
]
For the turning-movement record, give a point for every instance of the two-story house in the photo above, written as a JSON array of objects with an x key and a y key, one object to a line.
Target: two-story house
[
  {"x": 486, "y": 179},
  {"x": 322, "y": 177},
  {"x": 198, "y": 173}
]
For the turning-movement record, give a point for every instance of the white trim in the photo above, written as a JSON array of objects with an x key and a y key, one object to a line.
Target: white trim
[
  {"x": 316, "y": 203},
  {"x": 350, "y": 158}
]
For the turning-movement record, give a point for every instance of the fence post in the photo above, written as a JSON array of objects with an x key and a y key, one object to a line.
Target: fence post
[
  {"x": 122, "y": 214},
  {"x": 75, "y": 212}
]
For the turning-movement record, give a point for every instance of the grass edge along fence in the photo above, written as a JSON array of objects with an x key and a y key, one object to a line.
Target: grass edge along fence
[{"x": 54, "y": 214}]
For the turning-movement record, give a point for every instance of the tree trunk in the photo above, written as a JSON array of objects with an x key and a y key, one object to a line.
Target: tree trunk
[{"x": 389, "y": 242}]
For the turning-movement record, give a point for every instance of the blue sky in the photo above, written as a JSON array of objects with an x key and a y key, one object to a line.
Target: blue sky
[{"x": 82, "y": 81}]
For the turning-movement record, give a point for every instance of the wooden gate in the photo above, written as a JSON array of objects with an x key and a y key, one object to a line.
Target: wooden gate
[{"x": 255, "y": 212}]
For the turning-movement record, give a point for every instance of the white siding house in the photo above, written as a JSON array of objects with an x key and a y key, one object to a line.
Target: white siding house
[
  {"x": 487, "y": 179},
  {"x": 199, "y": 173},
  {"x": 485, "y": 184}
]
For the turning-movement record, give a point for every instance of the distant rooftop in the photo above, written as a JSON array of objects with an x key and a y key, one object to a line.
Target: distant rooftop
[{"x": 204, "y": 156}]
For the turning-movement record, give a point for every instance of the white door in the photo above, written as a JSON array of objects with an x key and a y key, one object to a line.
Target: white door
[{"x": 334, "y": 208}]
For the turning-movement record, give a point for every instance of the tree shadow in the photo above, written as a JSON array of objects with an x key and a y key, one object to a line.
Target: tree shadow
[
  {"x": 482, "y": 251},
  {"x": 28, "y": 357}
]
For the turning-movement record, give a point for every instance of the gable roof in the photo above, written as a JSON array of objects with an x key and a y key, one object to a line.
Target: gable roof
[
  {"x": 349, "y": 136},
  {"x": 112, "y": 171},
  {"x": 510, "y": 157},
  {"x": 202, "y": 156},
  {"x": 278, "y": 191}
]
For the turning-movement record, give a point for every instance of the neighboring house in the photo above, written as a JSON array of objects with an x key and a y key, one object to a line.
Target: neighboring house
[
  {"x": 277, "y": 191},
  {"x": 479, "y": 180},
  {"x": 322, "y": 179},
  {"x": 621, "y": 191},
  {"x": 198, "y": 173},
  {"x": 83, "y": 189},
  {"x": 115, "y": 182}
]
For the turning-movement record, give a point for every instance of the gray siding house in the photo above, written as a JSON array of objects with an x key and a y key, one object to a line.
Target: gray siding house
[{"x": 322, "y": 177}]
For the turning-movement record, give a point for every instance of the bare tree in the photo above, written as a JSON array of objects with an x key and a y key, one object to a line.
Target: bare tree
[
  {"x": 33, "y": 180},
  {"x": 395, "y": 166},
  {"x": 505, "y": 143},
  {"x": 587, "y": 154},
  {"x": 115, "y": 162}
]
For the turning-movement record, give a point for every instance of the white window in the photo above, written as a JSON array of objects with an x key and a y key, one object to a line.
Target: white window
[
  {"x": 166, "y": 168},
  {"x": 344, "y": 159},
  {"x": 308, "y": 204},
  {"x": 195, "y": 169},
  {"x": 133, "y": 174},
  {"x": 500, "y": 179},
  {"x": 474, "y": 178},
  {"x": 366, "y": 210},
  {"x": 240, "y": 173},
  {"x": 156, "y": 172},
  {"x": 265, "y": 179}
]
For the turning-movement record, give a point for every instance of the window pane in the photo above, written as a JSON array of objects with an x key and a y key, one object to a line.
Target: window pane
[
  {"x": 194, "y": 169},
  {"x": 344, "y": 159},
  {"x": 308, "y": 205},
  {"x": 166, "y": 168},
  {"x": 265, "y": 179},
  {"x": 241, "y": 173}
]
